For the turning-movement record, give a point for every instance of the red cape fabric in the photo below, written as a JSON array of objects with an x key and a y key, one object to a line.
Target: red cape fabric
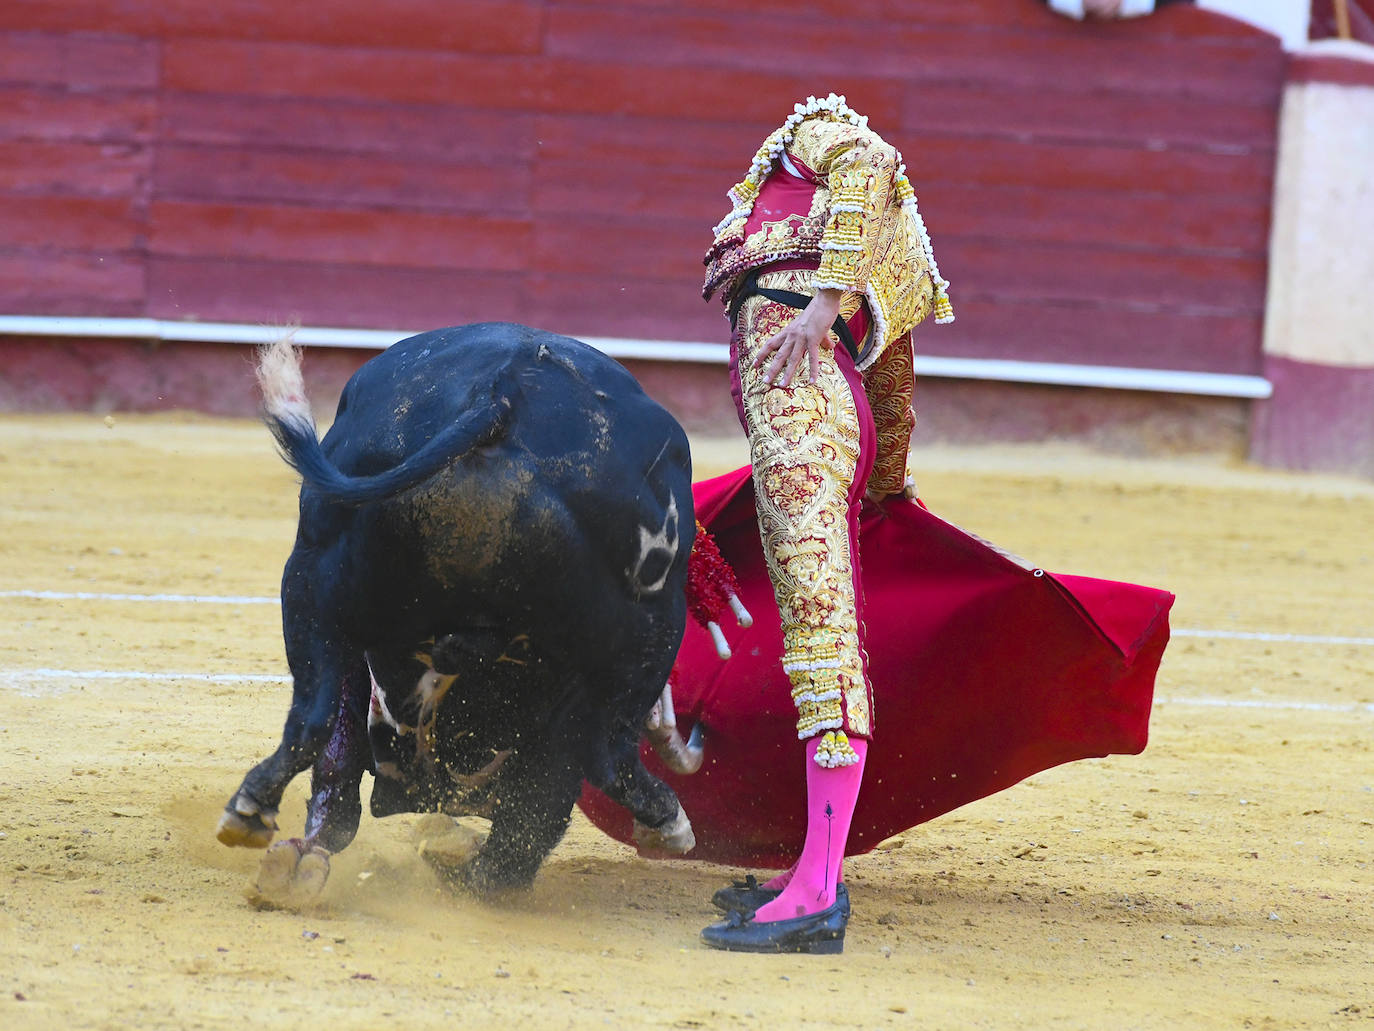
[{"x": 984, "y": 673}]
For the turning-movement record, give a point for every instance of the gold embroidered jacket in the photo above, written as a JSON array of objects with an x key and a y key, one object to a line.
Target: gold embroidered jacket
[{"x": 866, "y": 241}]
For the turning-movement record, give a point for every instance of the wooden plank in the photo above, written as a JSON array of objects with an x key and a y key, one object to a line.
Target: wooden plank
[
  {"x": 992, "y": 269},
  {"x": 114, "y": 17},
  {"x": 1184, "y": 23},
  {"x": 687, "y": 195},
  {"x": 1181, "y": 23},
  {"x": 482, "y": 26},
  {"x": 230, "y": 290},
  {"x": 77, "y": 62},
  {"x": 1061, "y": 113},
  {"x": 574, "y": 86},
  {"x": 1219, "y": 223},
  {"x": 933, "y": 12},
  {"x": 362, "y": 238},
  {"x": 684, "y": 91},
  {"x": 625, "y": 248},
  {"x": 416, "y": 131},
  {"x": 1127, "y": 58},
  {"x": 70, "y": 223},
  {"x": 309, "y": 71},
  {"x": 1064, "y": 166},
  {"x": 89, "y": 169},
  {"x": 1038, "y": 329},
  {"x": 565, "y": 299},
  {"x": 472, "y": 26},
  {"x": 34, "y": 113},
  {"x": 55, "y": 283},
  {"x": 325, "y": 180},
  {"x": 1332, "y": 69},
  {"x": 622, "y": 141}
]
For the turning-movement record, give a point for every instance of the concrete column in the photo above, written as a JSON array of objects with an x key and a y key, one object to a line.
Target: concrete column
[{"x": 1319, "y": 319}]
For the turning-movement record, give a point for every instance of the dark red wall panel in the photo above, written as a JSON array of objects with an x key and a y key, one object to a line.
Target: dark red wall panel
[
  {"x": 37, "y": 281},
  {"x": 282, "y": 292},
  {"x": 1096, "y": 192}
]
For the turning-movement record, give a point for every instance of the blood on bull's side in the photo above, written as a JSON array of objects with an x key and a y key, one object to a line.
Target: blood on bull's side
[{"x": 484, "y": 600}]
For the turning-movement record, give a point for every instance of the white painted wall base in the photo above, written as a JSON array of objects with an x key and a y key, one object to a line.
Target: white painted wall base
[{"x": 1208, "y": 384}]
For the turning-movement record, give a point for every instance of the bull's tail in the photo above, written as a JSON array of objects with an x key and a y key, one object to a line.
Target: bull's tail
[{"x": 286, "y": 410}]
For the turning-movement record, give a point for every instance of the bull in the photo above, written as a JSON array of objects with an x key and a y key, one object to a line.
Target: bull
[{"x": 483, "y": 603}]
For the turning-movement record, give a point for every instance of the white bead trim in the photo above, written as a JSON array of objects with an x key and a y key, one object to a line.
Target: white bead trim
[{"x": 816, "y": 728}]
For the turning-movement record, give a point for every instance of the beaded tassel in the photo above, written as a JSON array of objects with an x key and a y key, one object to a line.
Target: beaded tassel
[
  {"x": 713, "y": 590},
  {"x": 835, "y": 750}
]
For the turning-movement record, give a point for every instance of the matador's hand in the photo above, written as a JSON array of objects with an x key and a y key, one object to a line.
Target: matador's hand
[{"x": 800, "y": 339}]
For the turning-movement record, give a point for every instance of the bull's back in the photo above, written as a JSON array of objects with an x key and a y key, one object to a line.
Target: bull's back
[
  {"x": 586, "y": 470},
  {"x": 567, "y": 399}
]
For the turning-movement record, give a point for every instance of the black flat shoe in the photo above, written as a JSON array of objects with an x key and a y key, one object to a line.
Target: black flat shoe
[
  {"x": 748, "y": 895},
  {"x": 744, "y": 896},
  {"x": 817, "y": 933}
]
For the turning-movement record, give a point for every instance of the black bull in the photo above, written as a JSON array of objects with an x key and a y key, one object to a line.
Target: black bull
[{"x": 485, "y": 597}]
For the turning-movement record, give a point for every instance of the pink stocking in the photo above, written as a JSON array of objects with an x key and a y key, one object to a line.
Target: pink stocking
[
  {"x": 830, "y": 798},
  {"x": 782, "y": 880}
]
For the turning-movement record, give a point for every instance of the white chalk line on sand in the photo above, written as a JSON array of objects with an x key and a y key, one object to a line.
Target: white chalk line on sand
[
  {"x": 1256, "y": 635},
  {"x": 21, "y": 677},
  {"x": 241, "y": 599},
  {"x": 1268, "y": 703},
  {"x": 189, "y": 599}
]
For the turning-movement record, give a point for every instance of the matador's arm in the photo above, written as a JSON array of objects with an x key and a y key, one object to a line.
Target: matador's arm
[{"x": 859, "y": 169}]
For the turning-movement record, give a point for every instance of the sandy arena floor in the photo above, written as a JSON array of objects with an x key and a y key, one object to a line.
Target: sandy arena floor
[{"x": 1220, "y": 880}]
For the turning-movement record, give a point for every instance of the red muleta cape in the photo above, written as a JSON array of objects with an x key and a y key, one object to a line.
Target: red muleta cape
[{"x": 984, "y": 673}]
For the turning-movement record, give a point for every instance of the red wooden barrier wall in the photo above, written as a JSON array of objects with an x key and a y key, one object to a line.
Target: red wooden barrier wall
[{"x": 1096, "y": 193}]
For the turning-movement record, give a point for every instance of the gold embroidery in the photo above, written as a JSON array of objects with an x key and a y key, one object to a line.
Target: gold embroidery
[
  {"x": 804, "y": 442},
  {"x": 863, "y": 229},
  {"x": 890, "y": 383}
]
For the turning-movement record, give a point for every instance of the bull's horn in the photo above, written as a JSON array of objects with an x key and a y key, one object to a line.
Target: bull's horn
[{"x": 680, "y": 756}]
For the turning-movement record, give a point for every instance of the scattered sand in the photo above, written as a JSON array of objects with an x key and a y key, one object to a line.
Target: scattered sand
[{"x": 1219, "y": 880}]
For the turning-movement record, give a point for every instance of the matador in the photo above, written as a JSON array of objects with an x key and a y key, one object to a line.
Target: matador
[{"x": 825, "y": 268}]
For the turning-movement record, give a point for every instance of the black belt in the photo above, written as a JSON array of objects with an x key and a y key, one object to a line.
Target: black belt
[{"x": 792, "y": 299}]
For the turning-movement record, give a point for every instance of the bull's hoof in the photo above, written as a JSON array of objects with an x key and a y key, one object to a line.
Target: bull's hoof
[
  {"x": 246, "y": 824},
  {"x": 292, "y": 873},
  {"x": 447, "y": 846},
  {"x": 492, "y": 881},
  {"x": 674, "y": 838},
  {"x": 454, "y": 853}
]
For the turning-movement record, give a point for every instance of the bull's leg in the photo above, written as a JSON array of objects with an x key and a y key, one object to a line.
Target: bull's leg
[
  {"x": 250, "y": 818},
  {"x": 326, "y": 668},
  {"x": 535, "y": 798},
  {"x": 294, "y": 871},
  {"x": 661, "y": 826},
  {"x": 336, "y": 781}
]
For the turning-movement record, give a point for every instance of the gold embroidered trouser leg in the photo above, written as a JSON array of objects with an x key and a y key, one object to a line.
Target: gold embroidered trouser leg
[
  {"x": 807, "y": 450},
  {"x": 890, "y": 384}
]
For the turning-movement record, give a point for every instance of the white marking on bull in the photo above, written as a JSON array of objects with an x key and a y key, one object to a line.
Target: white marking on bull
[
  {"x": 378, "y": 712},
  {"x": 662, "y": 541}
]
